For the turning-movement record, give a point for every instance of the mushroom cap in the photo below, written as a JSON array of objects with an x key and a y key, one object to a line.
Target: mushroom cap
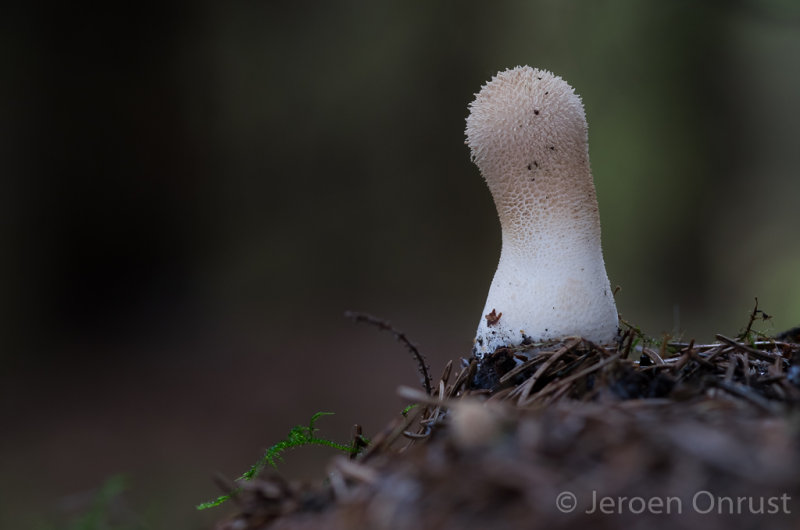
[{"x": 528, "y": 136}]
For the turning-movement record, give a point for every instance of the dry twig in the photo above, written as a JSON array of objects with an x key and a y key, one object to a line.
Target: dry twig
[{"x": 383, "y": 325}]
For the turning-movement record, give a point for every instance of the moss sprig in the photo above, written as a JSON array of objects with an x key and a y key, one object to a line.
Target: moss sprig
[{"x": 299, "y": 436}]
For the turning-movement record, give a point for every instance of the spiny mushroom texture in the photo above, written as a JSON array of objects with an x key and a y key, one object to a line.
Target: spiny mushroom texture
[{"x": 528, "y": 136}]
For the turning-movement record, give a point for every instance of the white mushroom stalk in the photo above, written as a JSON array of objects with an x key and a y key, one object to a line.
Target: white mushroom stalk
[{"x": 528, "y": 136}]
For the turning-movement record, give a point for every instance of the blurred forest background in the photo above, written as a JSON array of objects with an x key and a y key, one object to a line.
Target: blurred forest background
[{"x": 194, "y": 194}]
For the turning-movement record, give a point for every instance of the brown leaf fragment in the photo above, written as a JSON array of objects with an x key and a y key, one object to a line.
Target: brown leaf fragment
[{"x": 493, "y": 318}]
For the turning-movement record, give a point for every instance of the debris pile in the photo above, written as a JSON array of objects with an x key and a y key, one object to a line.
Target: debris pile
[{"x": 568, "y": 435}]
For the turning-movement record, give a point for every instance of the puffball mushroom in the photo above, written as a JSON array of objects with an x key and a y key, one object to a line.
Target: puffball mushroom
[{"x": 528, "y": 136}]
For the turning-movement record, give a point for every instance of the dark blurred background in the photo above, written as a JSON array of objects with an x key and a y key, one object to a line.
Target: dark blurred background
[{"x": 194, "y": 194}]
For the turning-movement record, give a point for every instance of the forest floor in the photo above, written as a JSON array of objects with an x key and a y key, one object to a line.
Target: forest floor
[{"x": 569, "y": 435}]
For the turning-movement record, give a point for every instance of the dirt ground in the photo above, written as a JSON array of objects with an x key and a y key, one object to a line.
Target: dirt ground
[{"x": 570, "y": 435}]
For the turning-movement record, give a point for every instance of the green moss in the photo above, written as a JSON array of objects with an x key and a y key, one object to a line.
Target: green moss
[
  {"x": 299, "y": 436},
  {"x": 101, "y": 512}
]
